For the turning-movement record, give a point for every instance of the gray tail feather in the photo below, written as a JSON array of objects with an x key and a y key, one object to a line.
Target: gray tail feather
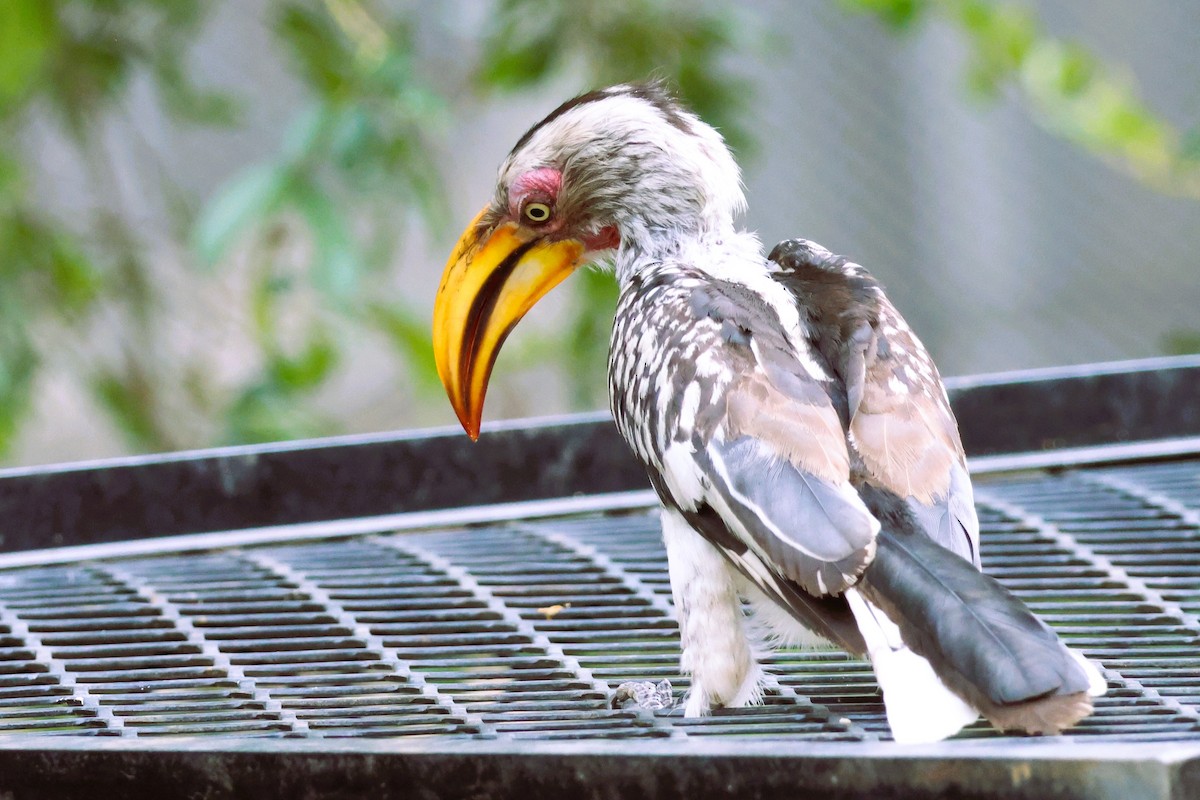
[{"x": 983, "y": 642}]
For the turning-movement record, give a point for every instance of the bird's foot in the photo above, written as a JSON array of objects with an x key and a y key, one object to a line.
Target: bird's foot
[{"x": 703, "y": 697}]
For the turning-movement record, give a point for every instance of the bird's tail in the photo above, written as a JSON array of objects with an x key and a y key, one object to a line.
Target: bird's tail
[
  {"x": 948, "y": 643},
  {"x": 919, "y": 706}
]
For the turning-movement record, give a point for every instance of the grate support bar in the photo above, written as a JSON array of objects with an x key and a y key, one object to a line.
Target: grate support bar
[
  {"x": 499, "y": 607},
  {"x": 372, "y": 643},
  {"x": 1051, "y": 531},
  {"x": 1172, "y": 507},
  {"x": 183, "y": 624},
  {"x": 1158, "y": 500},
  {"x": 84, "y": 699}
]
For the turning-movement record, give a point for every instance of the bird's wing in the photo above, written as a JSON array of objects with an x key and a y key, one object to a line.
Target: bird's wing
[
  {"x": 897, "y": 411},
  {"x": 934, "y": 625},
  {"x": 828, "y": 617},
  {"x": 908, "y": 438},
  {"x": 774, "y": 465}
]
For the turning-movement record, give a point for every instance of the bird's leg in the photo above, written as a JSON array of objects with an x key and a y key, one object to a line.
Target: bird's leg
[{"x": 717, "y": 648}]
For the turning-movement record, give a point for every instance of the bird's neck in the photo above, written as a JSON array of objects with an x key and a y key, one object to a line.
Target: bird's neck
[{"x": 645, "y": 246}]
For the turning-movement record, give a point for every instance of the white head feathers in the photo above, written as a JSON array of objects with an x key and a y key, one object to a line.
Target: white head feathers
[{"x": 631, "y": 157}]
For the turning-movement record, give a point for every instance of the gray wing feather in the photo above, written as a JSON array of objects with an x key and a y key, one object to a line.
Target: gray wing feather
[
  {"x": 828, "y": 617},
  {"x": 951, "y": 520},
  {"x": 813, "y": 532}
]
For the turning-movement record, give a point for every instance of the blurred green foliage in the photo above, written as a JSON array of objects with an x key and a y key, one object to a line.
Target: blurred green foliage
[
  {"x": 688, "y": 43},
  {"x": 1181, "y": 342},
  {"x": 353, "y": 162},
  {"x": 361, "y": 151},
  {"x": 1069, "y": 90},
  {"x": 63, "y": 65},
  {"x": 359, "y": 157}
]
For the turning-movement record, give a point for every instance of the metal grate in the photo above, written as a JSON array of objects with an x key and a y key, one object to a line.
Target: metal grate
[{"x": 520, "y": 630}]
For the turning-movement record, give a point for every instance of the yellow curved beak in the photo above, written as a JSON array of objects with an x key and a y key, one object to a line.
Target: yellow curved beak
[{"x": 491, "y": 280}]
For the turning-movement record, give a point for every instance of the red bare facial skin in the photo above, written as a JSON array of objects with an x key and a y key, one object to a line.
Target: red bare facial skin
[
  {"x": 607, "y": 238},
  {"x": 542, "y": 185}
]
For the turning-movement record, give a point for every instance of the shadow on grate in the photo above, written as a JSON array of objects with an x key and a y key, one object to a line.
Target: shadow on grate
[{"x": 521, "y": 630}]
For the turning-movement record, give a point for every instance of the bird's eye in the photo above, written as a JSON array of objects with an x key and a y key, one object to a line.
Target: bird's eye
[{"x": 536, "y": 213}]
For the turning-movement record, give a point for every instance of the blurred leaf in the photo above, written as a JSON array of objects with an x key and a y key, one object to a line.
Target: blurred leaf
[
  {"x": 186, "y": 102},
  {"x": 1076, "y": 70},
  {"x": 264, "y": 295},
  {"x": 367, "y": 132},
  {"x": 1181, "y": 342},
  {"x": 524, "y": 44},
  {"x": 1099, "y": 113},
  {"x": 262, "y": 414},
  {"x": 1189, "y": 147},
  {"x": 12, "y": 183},
  {"x": 18, "y": 368},
  {"x": 1002, "y": 36},
  {"x": 587, "y": 337},
  {"x": 354, "y": 132},
  {"x": 303, "y": 134},
  {"x": 894, "y": 13},
  {"x": 89, "y": 65},
  {"x": 338, "y": 266},
  {"x": 410, "y": 335},
  {"x": 307, "y": 370},
  {"x": 75, "y": 278},
  {"x": 47, "y": 263},
  {"x": 27, "y": 31},
  {"x": 127, "y": 395},
  {"x": 1069, "y": 90},
  {"x": 246, "y": 201},
  {"x": 272, "y": 407},
  {"x": 318, "y": 48}
]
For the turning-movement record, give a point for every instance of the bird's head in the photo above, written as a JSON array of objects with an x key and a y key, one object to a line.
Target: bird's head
[{"x": 623, "y": 171}]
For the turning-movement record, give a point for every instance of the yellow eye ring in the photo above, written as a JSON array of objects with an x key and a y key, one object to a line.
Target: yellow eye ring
[{"x": 537, "y": 213}]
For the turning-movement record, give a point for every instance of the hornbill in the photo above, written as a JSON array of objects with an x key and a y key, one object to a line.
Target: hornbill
[{"x": 794, "y": 427}]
